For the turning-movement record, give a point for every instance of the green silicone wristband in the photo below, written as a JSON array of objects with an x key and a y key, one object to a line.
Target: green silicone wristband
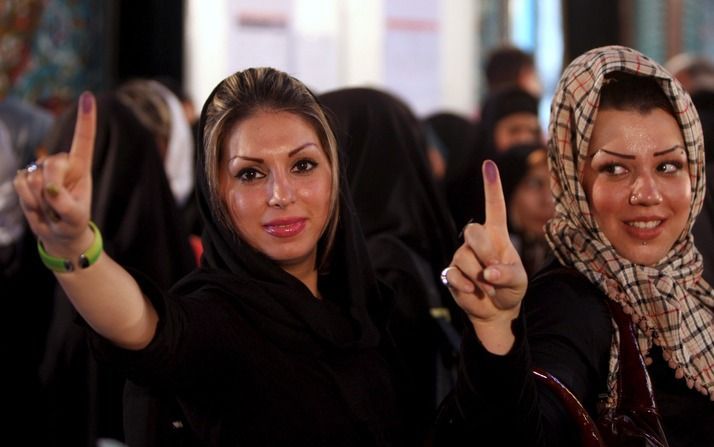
[{"x": 64, "y": 265}]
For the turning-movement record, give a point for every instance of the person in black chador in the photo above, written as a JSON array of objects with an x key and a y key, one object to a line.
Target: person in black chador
[
  {"x": 508, "y": 118},
  {"x": 279, "y": 338},
  {"x": 410, "y": 235}
]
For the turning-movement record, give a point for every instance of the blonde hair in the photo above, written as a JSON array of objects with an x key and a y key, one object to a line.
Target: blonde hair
[
  {"x": 150, "y": 108},
  {"x": 245, "y": 93}
]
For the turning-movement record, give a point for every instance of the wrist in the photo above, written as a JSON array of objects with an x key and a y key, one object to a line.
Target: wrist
[
  {"x": 78, "y": 253},
  {"x": 496, "y": 334}
]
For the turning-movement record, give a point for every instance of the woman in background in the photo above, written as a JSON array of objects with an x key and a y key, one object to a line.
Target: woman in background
[{"x": 408, "y": 230}]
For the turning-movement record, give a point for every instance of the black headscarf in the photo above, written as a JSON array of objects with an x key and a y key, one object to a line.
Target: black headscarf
[
  {"x": 454, "y": 131},
  {"x": 388, "y": 173},
  {"x": 513, "y": 166},
  {"x": 410, "y": 236},
  {"x": 133, "y": 207},
  {"x": 279, "y": 297},
  {"x": 464, "y": 187}
]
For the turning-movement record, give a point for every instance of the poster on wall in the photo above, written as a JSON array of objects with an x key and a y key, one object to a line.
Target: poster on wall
[
  {"x": 411, "y": 57},
  {"x": 259, "y": 34},
  {"x": 296, "y": 36}
]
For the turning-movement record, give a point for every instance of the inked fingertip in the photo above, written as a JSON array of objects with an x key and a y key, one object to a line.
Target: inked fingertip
[
  {"x": 490, "y": 170},
  {"x": 86, "y": 100}
]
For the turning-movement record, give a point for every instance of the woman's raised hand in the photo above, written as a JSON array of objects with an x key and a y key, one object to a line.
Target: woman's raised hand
[
  {"x": 486, "y": 276},
  {"x": 56, "y": 191}
]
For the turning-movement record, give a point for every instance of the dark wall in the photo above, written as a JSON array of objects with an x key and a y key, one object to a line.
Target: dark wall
[
  {"x": 149, "y": 39},
  {"x": 590, "y": 24}
]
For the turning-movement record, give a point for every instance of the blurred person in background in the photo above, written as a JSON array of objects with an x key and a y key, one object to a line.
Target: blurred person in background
[
  {"x": 133, "y": 202},
  {"x": 408, "y": 230},
  {"x": 510, "y": 117},
  {"x": 509, "y": 66},
  {"x": 450, "y": 135},
  {"x": 529, "y": 202}
]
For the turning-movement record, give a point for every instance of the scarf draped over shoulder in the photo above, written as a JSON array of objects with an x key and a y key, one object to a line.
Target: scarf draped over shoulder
[{"x": 670, "y": 303}]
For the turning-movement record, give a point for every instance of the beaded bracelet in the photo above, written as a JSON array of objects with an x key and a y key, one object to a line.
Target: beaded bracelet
[{"x": 64, "y": 265}]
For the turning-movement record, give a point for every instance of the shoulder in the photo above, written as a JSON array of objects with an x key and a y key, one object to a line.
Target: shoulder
[{"x": 561, "y": 299}]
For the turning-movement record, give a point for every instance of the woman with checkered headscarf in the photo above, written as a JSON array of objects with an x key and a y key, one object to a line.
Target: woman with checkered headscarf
[{"x": 627, "y": 173}]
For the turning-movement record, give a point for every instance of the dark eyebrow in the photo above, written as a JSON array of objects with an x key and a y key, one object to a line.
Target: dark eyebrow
[
  {"x": 299, "y": 148},
  {"x": 260, "y": 160},
  {"x": 617, "y": 154},
  {"x": 667, "y": 151}
]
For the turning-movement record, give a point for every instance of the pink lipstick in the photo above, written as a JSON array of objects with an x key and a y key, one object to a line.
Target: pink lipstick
[{"x": 287, "y": 227}]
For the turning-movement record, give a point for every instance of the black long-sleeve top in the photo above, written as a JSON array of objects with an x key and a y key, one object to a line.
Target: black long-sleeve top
[{"x": 565, "y": 329}]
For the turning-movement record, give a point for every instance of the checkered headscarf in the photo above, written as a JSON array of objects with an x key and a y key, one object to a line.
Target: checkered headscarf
[{"x": 672, "y": 306}]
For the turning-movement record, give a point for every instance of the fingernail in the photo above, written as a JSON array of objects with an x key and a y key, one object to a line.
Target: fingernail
[
  {"x": 490, "y": 170},
  {"x": 52, "y": 190},
  {"x": 491, "y": 274},
  {"x": 52, "y": 215},
  {"x": 86, "y": 102}
]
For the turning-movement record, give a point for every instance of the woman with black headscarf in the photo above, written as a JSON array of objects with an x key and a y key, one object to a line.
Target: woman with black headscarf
[
  {"x": 278, "y": 338},
  {"x": 409, "y": 233}
]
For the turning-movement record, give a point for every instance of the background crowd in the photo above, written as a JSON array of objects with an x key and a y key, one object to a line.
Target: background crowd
[{"x": 416, "y": 182}]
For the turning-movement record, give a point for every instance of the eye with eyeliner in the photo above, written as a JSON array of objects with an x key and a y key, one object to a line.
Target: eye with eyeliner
[
  {"x": 670, "y": 166},
  {"x": 304, "y": 165},
  {"x": 247, "y": 175},
  {"x": 612, "y": 168}
]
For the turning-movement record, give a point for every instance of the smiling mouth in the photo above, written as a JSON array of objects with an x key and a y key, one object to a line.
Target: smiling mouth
[
  {"x": 644, "y": 230},
  {"x": 646, "y": 225}
]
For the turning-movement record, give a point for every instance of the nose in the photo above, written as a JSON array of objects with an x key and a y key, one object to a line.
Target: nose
[
  {"x": 281, "y": 192},
  {"x": 645, "y": 192}
]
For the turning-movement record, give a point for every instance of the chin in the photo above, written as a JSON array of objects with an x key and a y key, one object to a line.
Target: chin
[{"x": 642, "y": 256}]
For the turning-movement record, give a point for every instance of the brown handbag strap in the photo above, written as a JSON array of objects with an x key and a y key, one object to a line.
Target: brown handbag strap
[
  {"x": 589, "y": 433},
  {"x": 634, "y": 387}
]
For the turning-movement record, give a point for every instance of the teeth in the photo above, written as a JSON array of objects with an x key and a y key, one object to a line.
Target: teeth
[{"x": 644, "y": 224}]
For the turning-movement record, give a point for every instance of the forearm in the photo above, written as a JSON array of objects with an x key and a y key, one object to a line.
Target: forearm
[
  {"x": 496, "y": 335},
  {"x": 108, "y": 298}
]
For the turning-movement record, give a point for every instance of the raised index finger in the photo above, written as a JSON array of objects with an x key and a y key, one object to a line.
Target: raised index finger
[
  {"x": 496, "y": 216},
  {"x": 80, "y": 154}
]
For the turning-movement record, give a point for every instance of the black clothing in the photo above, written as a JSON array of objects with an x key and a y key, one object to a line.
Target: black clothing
[
  {"x": 564, "y": 328},
  {"x": 26, "y": 287},
  {"x": 454, "y": 132},
  {"x": 133, "y": 206},
  {"x": 410, "y": 234},
  {"x": 464, "y": 182},
  {"x": 255, "y": 359}
]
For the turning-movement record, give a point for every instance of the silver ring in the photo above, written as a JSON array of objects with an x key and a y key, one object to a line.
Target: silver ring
[
  {"x": 444, "y": 279},
  {"x": 33, "y": 166}
]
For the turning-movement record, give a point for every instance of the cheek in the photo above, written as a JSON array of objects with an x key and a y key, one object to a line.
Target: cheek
[
  {"x": 605, "y": 201},
  {"x": 240, "y": 205},
  {"x": 316, "y": 192},
  {"x": 680, "y": 198}
]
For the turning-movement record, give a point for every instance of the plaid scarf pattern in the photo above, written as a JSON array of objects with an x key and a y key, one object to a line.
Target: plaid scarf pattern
[{"x": 670, "y": 304}]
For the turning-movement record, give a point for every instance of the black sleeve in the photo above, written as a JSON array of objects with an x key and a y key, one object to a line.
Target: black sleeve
[
  {"x": 186, "y": 335},
  {"x": 497, "y": 400}
]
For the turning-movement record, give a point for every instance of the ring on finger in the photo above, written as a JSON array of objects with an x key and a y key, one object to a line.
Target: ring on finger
[
  {"x": 444, "y": 278},
  {"x": 33, "y": 166}
]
